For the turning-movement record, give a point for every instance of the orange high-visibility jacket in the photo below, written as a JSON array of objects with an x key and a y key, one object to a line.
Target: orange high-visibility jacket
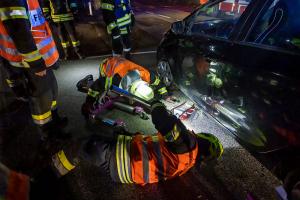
[
  {"x": 118, "y": 65},
  {"x": 40, "y": 31},
  {"x": 203, "y": 1},
  {"x": 143, "y": 160}
]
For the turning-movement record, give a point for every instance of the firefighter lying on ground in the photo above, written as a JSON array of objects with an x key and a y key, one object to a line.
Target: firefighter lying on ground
[
  {"x": 128, "y": 76},
  {"x": 140, "y": 158},
  {"x": 62, "y": 14},
  {"x": 29, "y": 54}
]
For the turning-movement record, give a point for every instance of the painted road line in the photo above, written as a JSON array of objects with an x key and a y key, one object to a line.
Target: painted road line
[
  {"x": 164, "y": 16},
  {"x": 133, "y": 53}
]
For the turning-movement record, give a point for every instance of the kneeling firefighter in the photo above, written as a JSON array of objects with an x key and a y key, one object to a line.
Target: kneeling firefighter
[
  {"x": 128, "y": 76},
  {"x": 140, "y": 158}
]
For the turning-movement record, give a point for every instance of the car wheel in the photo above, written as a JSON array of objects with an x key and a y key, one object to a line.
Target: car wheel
[{"x": 164, "y": 72}]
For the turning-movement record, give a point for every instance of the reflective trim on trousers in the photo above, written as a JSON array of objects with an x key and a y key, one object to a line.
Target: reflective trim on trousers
[
  {"x": 123, "y": 158},
  {"x": 127, "y": 50}
]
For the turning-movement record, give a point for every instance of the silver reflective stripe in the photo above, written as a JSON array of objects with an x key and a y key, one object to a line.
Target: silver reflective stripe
[
  {"x": 44, "y": 43},
  {"x": 127, "y": 50},
  {"x": 10, "y": 51},
  {"x": 49, "y": 53},
  {"x": 16, "y": 64},
  {"x": 13, "y": 13},
  {"x": 6, "y": 38}
]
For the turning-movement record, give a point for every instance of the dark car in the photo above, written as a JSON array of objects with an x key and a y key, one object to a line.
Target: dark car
[{"x": 238, "y": 60}]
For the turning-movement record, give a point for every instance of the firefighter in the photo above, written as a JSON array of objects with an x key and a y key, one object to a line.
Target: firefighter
[
  {"x": 29, "y": 54},
  {"x": 119, "y": 18},
  {"x": 140, "y": 158},
  {"x": 128, "y": 76},
  {"x": 62, "y": 15}
]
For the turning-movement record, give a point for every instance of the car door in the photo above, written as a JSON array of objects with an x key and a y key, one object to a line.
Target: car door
[{"x": 222, "y": 74}]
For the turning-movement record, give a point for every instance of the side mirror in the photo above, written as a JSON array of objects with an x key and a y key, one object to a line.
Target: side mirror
[{"x": 178, "y": 27}]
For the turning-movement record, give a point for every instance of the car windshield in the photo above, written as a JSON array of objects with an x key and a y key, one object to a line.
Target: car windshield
[{"x": 218, "y": 19}]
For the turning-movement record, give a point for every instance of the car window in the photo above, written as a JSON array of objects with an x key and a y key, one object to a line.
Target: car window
[
  {"x": 218, "y": 19},
  {"x": 279, "y": 26}
]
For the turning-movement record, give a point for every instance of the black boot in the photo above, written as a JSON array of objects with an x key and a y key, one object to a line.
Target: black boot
[
  {"x": 84, "y": 84},
  {"x": 66, "y": 54},
  {"x": 78, "y": 53}
]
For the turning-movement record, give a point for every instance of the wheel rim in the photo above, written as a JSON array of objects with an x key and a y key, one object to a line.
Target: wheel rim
[{"x": 164, "y": 72}]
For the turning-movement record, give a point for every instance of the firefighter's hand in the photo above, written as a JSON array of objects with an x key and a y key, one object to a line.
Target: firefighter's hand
[{"x": 41, "y": 73}]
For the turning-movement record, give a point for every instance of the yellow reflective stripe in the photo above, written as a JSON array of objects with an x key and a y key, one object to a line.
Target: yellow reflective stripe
[
  {"x": 42, "y": 117},
  {"x": 162, "y": 90},
  {"x": 111, "y": 26},
  {"x": 117, "y": 158},
  {"x": 76, "y": 43},
  {"x": 45, "y": 10},
  {"x": 54, "y": 103},
  {"x": 122, "y": 159},
  {"x": 93, "y": 93},
  {"x": 126, "y": 17},
  {"x": 156, "y": 82},
  {"x": 65, "y": 162},
  {"x": 126, "y": 162},
  {"x": 108, "y": 83},
  {"x": 32, "y": 56},
  {"x": 107, "y": 6},
  {"x": 13, "y": 13},
  {"x": 65, "y": 44}
]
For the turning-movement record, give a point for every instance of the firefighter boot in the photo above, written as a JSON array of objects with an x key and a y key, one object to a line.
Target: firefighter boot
[
  {"x": 66, "y": 54},
  {"x": 78, "y": 53}
]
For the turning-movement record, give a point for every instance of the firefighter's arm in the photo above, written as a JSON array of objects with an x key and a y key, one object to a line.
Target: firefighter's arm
[
  {"x": 176, "y": 136},
  {"x": 108, "y": 12},
  {"x": 45, "y": 5},
  {"x": 158, "y": 86},
  {"x": 14, "y": 17}
]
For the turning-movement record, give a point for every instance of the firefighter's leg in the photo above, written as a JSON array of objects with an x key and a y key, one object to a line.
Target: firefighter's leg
[
  {"x": 70, "y": 28},
  {"x": 117, "y": 46},
  {"x": 63, "y": 39},
  {"x": 58, "y": 120},
  {"x": 41, "y": 101},
  {"x": 89, "y": 150},
  {"x": 125, "y": 33},
  {"x": 16, "y": 81}
]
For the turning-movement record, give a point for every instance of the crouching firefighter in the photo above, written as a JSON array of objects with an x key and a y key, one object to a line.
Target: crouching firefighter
[
  {"x": 119, "y": 18},
  {"x": 128, "y": 76},
  {"x": 140, "y": 158},
  {"x": 28, "y": 57},
  {"x": 62, "y": 14}
]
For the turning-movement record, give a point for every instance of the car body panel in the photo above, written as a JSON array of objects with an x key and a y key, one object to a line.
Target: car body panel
[{"x": 253, "y": 90}]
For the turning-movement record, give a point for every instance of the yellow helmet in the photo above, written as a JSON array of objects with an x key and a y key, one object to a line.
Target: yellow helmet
[{"x": 142, "y": 89}]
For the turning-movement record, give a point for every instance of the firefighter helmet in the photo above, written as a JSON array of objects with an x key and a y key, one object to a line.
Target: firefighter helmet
[
  {"x": 142, "y": 89},
  {"x": 214, "y": 149}
]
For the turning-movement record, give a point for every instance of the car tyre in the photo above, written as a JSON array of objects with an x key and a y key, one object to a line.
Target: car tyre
[{"x": 164, "y": 72}]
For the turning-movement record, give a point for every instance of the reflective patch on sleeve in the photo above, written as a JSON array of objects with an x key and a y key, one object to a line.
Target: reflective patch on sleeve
[{"x": 13, "y": 13}]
